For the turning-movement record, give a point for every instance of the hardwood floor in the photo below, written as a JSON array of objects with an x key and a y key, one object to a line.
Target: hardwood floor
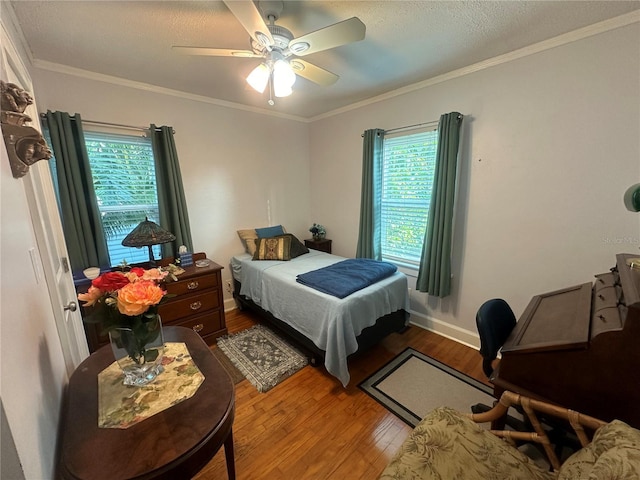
[{"x": 310, "y": 427}]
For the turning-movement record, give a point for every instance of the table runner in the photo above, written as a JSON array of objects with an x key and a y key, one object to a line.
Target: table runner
[{"x": 121, "y": 406}]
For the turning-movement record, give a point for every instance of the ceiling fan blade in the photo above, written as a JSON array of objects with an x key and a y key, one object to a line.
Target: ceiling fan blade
[
  {"x": 313, "y": 73},
  {"x": 249, "y": 16},
  {"x": 347, "y": 31},
  {"x": 214, "y": 52}
]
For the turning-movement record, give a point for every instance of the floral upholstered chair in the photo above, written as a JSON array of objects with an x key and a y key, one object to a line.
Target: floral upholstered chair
[{"x": 448, "y": 445}]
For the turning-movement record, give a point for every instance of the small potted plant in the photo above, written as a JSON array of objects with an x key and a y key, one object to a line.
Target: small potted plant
[{"x": 317, "y": 231}]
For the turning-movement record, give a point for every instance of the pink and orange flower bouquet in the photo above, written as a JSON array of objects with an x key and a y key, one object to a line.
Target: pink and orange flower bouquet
[{"x": 127, "y": 300}]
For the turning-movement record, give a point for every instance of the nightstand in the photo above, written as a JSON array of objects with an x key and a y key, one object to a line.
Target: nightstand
[
  {"x": 324, "y": 245},
  {"x": 197, "y": 302}
]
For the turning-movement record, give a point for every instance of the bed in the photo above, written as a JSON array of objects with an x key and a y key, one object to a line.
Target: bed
[{"x": 327, "y": 328}]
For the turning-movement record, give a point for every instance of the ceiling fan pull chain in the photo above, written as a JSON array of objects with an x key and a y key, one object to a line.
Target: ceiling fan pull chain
[{"x": 271, "y": 102}]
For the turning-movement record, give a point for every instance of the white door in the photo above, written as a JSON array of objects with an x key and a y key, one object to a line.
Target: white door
[{"x": 48, "y": 229}]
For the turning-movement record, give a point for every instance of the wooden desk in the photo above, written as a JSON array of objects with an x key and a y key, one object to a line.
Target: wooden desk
[
  {"x": 173, "y": 444},
  {"x": 578, "y": 347}
]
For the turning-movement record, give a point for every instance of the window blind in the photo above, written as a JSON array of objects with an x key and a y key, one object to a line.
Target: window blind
[
  {"x": 407, "y": 182},
  {"x": 124, "y": 180}
]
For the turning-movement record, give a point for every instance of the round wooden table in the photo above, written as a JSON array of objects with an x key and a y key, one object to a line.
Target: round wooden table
[{"x": 173, "y": 444}]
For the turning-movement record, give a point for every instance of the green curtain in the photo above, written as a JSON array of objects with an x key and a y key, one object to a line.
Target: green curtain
[
  {"x": 434, "y": 275},
  {"x": 172, "y": 204},
  {"x": 369, "y": 234},
  {"x": 83, "y": 233}
]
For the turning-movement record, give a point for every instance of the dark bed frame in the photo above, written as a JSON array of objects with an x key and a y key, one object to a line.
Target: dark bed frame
[{"x": 370, "y": 336}]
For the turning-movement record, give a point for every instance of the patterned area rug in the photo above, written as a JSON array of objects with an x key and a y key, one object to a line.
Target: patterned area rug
[
  {"x": 264, "y": 358},
  {"x": 235, "y": 374}
]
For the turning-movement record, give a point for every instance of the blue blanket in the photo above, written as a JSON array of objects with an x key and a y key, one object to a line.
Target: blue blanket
[{"x": 343, "y": 278}]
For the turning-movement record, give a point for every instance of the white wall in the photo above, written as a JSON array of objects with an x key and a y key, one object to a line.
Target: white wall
[
  {"x": 33, "y": 372},
  {"x": 234, "y": 163},
  {"x": 551, "y": 142}
]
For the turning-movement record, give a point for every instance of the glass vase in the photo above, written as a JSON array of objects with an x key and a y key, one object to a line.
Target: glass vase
[{"x": 138, "y": 350}]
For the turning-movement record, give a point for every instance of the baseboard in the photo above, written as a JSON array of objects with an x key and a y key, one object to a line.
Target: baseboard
[
  {"x": 460, "y": 335},
  {"x": 229, "y": 304}
]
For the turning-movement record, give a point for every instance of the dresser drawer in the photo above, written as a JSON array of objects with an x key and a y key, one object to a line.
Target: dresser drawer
[
  {"x": 206, "y": 324},
  {"x": 605, "y": 297},
  {"x": 192, "y": 285},
  {"x": 605, "y": 320},
  {"x": 188, "y": 305}
]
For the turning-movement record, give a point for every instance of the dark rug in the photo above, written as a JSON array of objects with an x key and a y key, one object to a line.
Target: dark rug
[
  {"x": 413, "y": 384},
  {"x": 263, "y": 357}
]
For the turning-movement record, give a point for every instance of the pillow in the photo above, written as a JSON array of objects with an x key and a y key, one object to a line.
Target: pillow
[
  {"x": 613, "y": 454},
  {"x": 297, "y": 247},
  {"x": 248, "y": 238},
  {"x": 275, "y": 248},
  {"x": 268, "y": 232}
]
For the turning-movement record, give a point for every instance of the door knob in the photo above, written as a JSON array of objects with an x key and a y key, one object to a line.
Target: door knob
[{"x": 71, "y": 306}]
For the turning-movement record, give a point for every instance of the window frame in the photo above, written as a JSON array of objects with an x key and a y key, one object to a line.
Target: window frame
[
  {"x": 149, "y": 210},
  {"x": 427, "y": 134}
]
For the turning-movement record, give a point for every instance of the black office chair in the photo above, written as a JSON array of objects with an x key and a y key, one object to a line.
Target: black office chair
[{"x": 495, "y": 321}]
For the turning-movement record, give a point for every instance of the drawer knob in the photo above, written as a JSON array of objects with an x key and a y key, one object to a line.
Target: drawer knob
[
  {"x": 198, "y": 327},
  {"x": 195, "y": 305},
  {"x": 192, "y": 285}
]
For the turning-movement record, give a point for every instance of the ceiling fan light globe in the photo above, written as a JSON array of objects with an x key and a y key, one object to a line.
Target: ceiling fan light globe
[
  {"x": 281, "y": 90},
  {"x": 283, "y": 74},
  {"x": 259, "y": 77}
]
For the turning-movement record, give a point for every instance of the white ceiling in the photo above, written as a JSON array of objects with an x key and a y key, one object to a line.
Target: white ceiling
[{"x": 406, "y": 42}]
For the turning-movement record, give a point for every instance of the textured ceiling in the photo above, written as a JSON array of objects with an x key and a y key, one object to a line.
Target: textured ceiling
[{"x": 406, "y": 42}]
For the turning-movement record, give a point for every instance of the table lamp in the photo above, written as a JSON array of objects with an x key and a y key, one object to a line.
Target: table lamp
[{"x": 147, "y": 234}]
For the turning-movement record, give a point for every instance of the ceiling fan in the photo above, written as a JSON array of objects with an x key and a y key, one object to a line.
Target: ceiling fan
[{"x": 279, "y": 49}]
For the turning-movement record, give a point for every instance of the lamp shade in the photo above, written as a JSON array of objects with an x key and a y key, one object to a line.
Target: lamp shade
[
  {"x": 283, "y": 78},
  {"x": 147, "y": 233},
  {"x": 259, "y": 77}
]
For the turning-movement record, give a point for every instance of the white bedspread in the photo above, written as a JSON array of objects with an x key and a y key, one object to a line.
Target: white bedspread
[{"x": 331, "y": 323}]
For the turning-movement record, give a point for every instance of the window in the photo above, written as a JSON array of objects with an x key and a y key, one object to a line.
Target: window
[
  {"x": 124, "y": 180},
  {"x": 407, "y": 182}
]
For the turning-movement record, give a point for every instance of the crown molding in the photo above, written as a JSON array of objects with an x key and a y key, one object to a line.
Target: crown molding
[
  {"x": 564, "y": 39},
  {"x": 123, "y": 82}
]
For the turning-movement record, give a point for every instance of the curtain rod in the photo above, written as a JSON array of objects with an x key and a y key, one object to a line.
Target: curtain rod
[
  {"x": 434, "y": 124},
  {"x": 426, "y": 124},
  {"x": 107, "y": 124}
]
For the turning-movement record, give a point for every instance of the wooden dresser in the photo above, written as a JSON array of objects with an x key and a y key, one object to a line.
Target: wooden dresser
[{"x": 197, "y": 304}]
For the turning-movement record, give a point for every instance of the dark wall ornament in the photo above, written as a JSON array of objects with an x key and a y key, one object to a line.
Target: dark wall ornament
[{"x": 25, "y": 145}]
